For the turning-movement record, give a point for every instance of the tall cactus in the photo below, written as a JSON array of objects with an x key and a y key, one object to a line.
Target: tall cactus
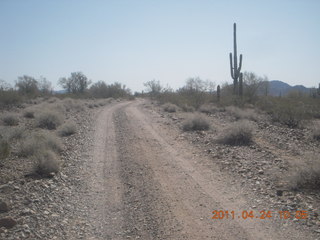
[
  {"x": 218, "y": 93},
  {"x": 234, "y": 68}
]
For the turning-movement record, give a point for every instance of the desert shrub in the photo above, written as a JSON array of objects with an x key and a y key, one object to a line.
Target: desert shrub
[
  {"x": 4, "y": 148},
  {"x": 239, "y": 113},
  {"x": 14, "y": 133},
  {"x": 46, "y": 162},
  {"x": 316, "y": 132},
  {"x": 10, "y": 97},
  {"x": 67, "y": 129},
  {"x": 169, "y": 107},
  {"x": 49, "y": 120},
  {"x": 10, "y": 120},
  {"x": 290, "y": 116},
  {"x": 196, "y": 123},
  {"x": 38, "y": 141},
  {"x": 208, "y": 108},
  {"x": 306, "y": 176},
  {"x": 240, "y": 133},
  {"x": 72, "y": 104},
  {"x": 53, "y": 100},
  {"x": 187, "y": 108},
  {"x": 28, "y": 114},
  {"x": 90, "y": 106}
]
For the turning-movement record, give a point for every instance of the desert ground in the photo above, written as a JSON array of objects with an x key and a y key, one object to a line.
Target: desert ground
[{"x": 130, "y": 172}]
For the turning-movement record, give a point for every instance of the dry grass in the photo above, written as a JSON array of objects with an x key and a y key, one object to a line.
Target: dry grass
[
  {"x": 306, "y": 176},
  {"x": 10, "y": 120},
  {"x": 72, "y": 104},
  {"x": 196, "y": 123},
  {"x": 46, "y": 162},
  {"x": 49, "y": 120},
  {"x": 67, "y": 129},
  {"x": 169, "y": 107},
  {"x": 39, "y": 141},
  {"x": 208, "y": 108},
  {"x": 239, "y": 113},
  {"x": 240, "y": 133}
]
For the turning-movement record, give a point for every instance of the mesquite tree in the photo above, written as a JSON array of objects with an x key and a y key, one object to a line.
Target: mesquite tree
[{"x": 234, "y": 67}]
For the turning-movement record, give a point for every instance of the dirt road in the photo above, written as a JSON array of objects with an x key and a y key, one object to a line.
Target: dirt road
[{"x": 143, "y": 184}]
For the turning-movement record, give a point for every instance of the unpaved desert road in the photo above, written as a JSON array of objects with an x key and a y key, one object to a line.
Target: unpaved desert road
[{"x": 145, "y": 185}]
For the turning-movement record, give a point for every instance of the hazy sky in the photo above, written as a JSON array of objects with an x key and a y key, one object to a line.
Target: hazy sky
[{"x": 135, "y": 41}]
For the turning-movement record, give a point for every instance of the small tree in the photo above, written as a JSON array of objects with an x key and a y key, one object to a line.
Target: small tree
[
  {"x": 44, "y": 86},
  {"x": 153, "y": 87},
  {"x": 27, "y": 85},
  {"x": 77, "y": 83},
  {"x": 252, "y": 83}
]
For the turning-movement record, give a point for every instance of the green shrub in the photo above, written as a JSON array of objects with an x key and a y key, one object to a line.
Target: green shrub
[
  {"x": 39, "y": 141},
  {"x": 67, "y": 129},
  {"x": 240, "y": 133},
  {"x": 46, "y": 162},
  {"x": 49, "y": 120},
  {"x": 196, "y": 123},
  {"x": 169, "y": 107},
  {"x": 10, "y": 120}
]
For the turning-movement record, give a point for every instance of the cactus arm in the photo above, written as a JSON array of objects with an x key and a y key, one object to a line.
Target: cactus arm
[
  {"x": 240, "y": 63},
  {"x": 231, "y": 68}
]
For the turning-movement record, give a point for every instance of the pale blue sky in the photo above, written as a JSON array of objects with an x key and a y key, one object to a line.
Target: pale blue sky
[{"x": 135, "y": 41}]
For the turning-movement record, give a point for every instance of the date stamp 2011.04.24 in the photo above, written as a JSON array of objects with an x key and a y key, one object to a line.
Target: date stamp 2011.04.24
[{"x": 264, "y": 214}]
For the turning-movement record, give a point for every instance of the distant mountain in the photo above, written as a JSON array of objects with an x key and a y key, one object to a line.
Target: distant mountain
[{"x": 277, "y": 88}]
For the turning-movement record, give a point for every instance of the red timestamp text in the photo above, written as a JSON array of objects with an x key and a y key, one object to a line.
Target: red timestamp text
[{"x": 264, "y": 214}]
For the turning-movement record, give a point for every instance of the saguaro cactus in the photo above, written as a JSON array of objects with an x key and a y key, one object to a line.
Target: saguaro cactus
[
  {"x": 234, "y": 68},
  {"x": 241, "y": 84},
  {"x": 218, "y": 93}
]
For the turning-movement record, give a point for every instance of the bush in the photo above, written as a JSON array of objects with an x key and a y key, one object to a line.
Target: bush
[
  {"x": 67, "y": 129},
  {"x": 196, "y": 123},
  {"x": 10, "y": 120},
  {"x": 72, "y": 104},
  {"x": 14, "y": 133},
  {"x": 206, "y": 108},
  {"x": 240, "y": 133},
  {"x": 306, "y": 176},
  {"x": 39, "y": 141},
  {"x": 169, "y": 107},
  {"x": 28, "y": 114},
  {"x": 49, "y": 120},
  {"x": 46, "y": 162},
  {"x": 4, "y": 148},
  {"x": 9, "y": 98},
  {"x": 239, "y": 113},
  {"x": 187, "y": 108},
  {"x": 316, "y": 132}
]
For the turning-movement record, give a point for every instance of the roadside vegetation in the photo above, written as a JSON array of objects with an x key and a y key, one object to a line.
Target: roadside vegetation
[{"x": 35, "y": 121}]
